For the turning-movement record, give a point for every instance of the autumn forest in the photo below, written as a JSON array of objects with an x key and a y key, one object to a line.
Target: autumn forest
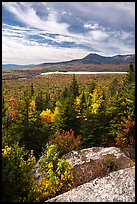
[{"x": 48, "y": 116}]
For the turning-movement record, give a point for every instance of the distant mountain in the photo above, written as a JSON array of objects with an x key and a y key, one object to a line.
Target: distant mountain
[
  {"x": 117, "y": 59},
  {"x": 89, "y": 59},
  {"x": 98, "y": 59},
  {"x": 12, "y": 66}
]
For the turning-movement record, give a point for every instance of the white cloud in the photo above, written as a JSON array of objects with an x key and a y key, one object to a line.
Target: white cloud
[
  {"x": 26, "y": 52},
  {"x": 23, "y": 51},
  {"x": 61, "y": 38},
  {"x": 98, "y": 35},
  {"x": 91, "y": 26},
  {"x": 126, "y": 35},
  {"x": 30, "y": 18},
  {"x": 114, "y": 15}
]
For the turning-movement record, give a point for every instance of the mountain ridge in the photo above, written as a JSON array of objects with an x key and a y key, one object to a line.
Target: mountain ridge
[
  {"x": 98, "y": 59},
  {"x": 12, "y": 66},
  {"x": 91, "y": 58}
]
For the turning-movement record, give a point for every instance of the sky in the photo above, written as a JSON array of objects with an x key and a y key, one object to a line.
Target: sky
[{"x": 41, "y": 32}]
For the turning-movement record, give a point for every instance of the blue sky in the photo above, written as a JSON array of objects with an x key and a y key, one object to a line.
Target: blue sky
[{"x": 38, "y": 32}]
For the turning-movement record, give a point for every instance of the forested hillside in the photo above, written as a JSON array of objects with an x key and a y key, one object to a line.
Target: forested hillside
[{"x": 50, "y": 120}]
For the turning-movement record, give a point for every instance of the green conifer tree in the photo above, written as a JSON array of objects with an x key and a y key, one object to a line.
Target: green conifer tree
[{"x": 73, "y": 89}]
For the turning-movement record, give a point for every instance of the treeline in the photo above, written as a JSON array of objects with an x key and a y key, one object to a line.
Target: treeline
[{"x": 73, "y": 119}]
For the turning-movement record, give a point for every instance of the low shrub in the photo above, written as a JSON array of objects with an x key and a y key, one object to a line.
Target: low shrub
[
  {"x": 65, "y": 140},
  {"x": 109, "y": 164},
  {"x": 126, "y": 136},
  {"x": 58, "y": 174}
]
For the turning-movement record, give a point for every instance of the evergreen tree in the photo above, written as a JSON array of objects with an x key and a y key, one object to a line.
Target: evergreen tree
[
  {"x": 94, "y": 130},
  {"x": 114, "y": 87},
  {"x": 18, "y": 183},
  {"x": 92, "y": 87},
  {"x": 131, "y": 74},
  {"x": 94, "y": 121},
  {"x": 66, "y": 119},
  {"x": 122, "y": 104},
  {"x": 39, "y": 101},
  {"x": 129, "y": 79},
  {"x": 73, "y": 89},
  {"x": 31, "y": 90},
  {"x": 64, "y": 93},
  {"x": 47, "y": 101},
  {"x": 3, "y": 106}
]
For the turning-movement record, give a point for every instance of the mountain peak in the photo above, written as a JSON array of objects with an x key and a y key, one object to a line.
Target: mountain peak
[{"x": 94, "y": 58}]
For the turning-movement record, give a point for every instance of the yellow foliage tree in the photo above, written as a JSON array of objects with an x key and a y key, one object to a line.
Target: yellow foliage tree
[
  {"x": 97, "y": 99},
  {"x": 48, "y": 116}
]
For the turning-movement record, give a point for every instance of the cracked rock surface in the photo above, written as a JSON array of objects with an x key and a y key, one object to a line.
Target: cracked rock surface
[
  {"x": 89, "y": 163},
  {"x": 118, "y": 186}
]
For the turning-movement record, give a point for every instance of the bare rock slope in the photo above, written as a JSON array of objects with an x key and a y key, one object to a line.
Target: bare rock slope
[
  {"x": 100, "y": 175},
  {"x": 94, "y": 162},
  {"x": 118, "y": 186}
]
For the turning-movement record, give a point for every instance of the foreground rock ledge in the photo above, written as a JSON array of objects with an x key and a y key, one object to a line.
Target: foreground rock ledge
[
  {"x": 89, "y": 163},
  {"x": 118, "y": 186}
]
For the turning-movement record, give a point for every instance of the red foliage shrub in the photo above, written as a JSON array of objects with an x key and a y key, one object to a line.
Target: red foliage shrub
[
  {"x": 126, "y": 136},
  {"x": 65, "y": 140},
  {"x": 13, "y": 101}
]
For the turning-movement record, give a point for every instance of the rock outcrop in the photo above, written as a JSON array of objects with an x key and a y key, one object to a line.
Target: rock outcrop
[
  {"x": 96, "y": 162},
  {"x": 100, "y": 174},
  {"x": 118, "y": 186}
]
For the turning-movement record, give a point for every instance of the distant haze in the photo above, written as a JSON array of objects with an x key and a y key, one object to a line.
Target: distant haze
[{"x": 11, "y": 66}]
